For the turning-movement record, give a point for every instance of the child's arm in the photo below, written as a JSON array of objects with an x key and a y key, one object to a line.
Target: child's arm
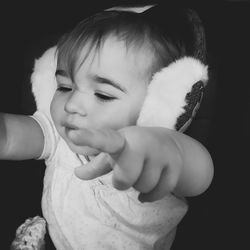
[
  {"x": 154, "y": 161},
  {"x": 21, "y": 137}
]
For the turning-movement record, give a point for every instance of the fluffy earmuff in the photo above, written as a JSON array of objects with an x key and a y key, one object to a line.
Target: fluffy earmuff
[
  {"x": 43, "y": 80},
  {"x": 174, "y": 94}
]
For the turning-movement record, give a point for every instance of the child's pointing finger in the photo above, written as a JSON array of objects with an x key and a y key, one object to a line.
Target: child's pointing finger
[{"x": 104, "y": 140}]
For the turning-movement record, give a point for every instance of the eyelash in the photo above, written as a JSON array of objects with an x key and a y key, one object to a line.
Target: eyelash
[
  {"x": 101, "y": 97},
  {"x": 104, "y": 98},
  {"x": 63, "y": 89}
]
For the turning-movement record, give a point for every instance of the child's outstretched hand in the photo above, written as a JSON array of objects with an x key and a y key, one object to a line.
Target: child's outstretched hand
[
  {"x": 139, "y": 157},
  {"x": 149, "y": 159}
]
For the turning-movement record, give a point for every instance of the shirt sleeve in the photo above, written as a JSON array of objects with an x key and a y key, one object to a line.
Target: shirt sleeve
[{"x": 49, "y": 132}]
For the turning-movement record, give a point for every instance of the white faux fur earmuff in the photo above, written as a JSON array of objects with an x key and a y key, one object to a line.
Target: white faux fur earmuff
[
  {"x": 43, "y": 80},
  {"x": 167, "y": 92}
]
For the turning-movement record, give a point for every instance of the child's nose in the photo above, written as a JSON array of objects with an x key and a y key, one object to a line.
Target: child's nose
[{"x": 75, "y": 104}]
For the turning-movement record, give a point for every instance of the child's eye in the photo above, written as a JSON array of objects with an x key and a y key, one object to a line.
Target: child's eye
[
  {"x": 104, "y": 98},
  {"x": 63, "y": 89}
]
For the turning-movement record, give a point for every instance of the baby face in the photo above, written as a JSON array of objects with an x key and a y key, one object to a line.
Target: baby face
[{"x": 108, "y": 90}]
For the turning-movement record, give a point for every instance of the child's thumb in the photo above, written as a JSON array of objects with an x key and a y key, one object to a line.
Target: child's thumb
[{"x": 98, "y": 166}]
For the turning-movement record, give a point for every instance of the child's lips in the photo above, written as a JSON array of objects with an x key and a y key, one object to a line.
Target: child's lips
[{"x": 70, "y": 126}]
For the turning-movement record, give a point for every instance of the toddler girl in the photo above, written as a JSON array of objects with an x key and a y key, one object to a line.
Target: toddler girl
[{"x": 117, "y": 88}]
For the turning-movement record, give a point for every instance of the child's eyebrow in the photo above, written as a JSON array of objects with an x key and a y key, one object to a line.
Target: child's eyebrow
[{"x": 104, "y": 80}]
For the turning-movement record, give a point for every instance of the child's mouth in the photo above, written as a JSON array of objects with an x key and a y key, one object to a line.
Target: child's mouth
[{"x": 70, "y": 126}]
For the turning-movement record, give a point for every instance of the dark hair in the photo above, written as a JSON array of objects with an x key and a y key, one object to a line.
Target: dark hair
[{"x": 168, "y": 39}]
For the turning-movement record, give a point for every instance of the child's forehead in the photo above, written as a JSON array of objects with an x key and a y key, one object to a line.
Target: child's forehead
[
  {"x": 119, "y": 50},
  {"x": 112, "y": 44}
]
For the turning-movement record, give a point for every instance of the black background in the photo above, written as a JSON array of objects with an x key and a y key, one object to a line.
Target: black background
[{"x": 217, "y": 219}]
